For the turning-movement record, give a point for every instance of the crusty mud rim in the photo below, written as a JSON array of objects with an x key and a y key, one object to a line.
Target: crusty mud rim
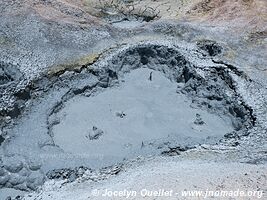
[{"x": 201, "y": 75}]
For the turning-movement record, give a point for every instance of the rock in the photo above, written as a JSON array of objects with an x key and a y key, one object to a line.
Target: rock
[
  {"x": 16, "y": 179},
  {"x": 12, "y": 164},
  {"x": 95, "y": 133},
  {"x": 34, "y": 180},
  {"x": 72, "y": 177},
  {"x": 22, "y": 187},
  {"x": 24, "y": 172},
  {"x": 198, "y": 120},
  {"x": 4, "y": 179},
  {"x": 81, "y": 171},
  {"x": 120, "y": 114},
  {"x": 34, "y": 165}
]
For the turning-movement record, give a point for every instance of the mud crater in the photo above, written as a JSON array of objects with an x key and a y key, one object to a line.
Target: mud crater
[
  {"x": 144, "y": 100},
  {"x": 126, "y": 16},
  {"x": 133, "y": 117},
  {"x": 97, "y": 117}
]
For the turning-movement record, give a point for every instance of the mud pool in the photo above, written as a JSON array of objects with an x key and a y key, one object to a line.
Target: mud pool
[
  {"x": 130, "y": 117},
  {"x": 145, "y": 100}
]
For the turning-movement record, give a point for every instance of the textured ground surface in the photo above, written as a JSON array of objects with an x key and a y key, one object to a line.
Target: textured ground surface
[{"x": 172, "y": 175}]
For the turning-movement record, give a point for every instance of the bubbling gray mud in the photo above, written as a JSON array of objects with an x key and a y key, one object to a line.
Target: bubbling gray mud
[
  {"x": 117, "y": 109},
  {"x": 130, "y": 118}
]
